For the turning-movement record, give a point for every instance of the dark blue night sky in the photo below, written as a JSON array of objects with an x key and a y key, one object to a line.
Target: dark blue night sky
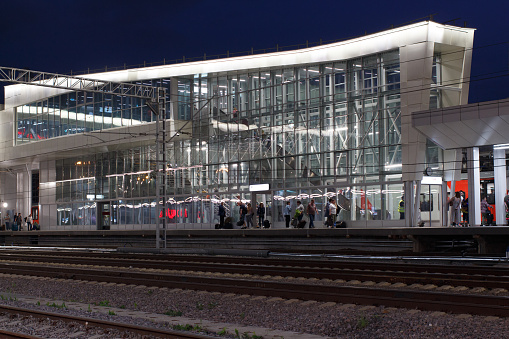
[{"x": 60, "y": 36}]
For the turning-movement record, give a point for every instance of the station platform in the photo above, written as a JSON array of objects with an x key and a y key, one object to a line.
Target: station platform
[{"x": 492, "y": 240}]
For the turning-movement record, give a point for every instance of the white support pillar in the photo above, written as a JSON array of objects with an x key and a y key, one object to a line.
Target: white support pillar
[
  {"x": 452, "y": 173},
  {"x": 417, "y": 203},
  {"x": 474, "y": 186},
  {"x": 445, "y": 206},
  {"x": 450, "y": 218},
  {"x": 500, "y": 184}
]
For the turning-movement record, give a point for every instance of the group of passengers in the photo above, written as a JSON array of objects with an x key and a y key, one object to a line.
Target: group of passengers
[
  {"x": 246, "y": 213},
  {"x": 458, "y": 206},
  {"x": 19, "y": 223},
  {"x": 330, "y": 214}
]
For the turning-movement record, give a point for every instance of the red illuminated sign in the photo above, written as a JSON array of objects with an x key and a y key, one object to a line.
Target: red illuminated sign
[{"x": 172, "y": 213}]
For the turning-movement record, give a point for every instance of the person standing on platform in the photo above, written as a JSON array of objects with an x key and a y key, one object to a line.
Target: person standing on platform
[
  {"x": 485, "y": 210},
  {"x": 249, "y": 216},
  {"x": 401, "y": 207},
  {"x": 455, "y": 212},
  {"x": 331, "y": 219},
  {"x": 311, "y": 210},
  {"x": 287, "y": 212},
  {"x": 242, "y": 213},
  {"x": 7, "y": 222},
  {"x": 19, "y": 221},
  {"x": 327, "y": 212},
  {"x": 299, "y": 211},
  {"x": 261, "y": 214},
  {"x": 29, "y": 222},
  {"x": 464, "y": 210},
  {"x": 221, "y": 212},
  {"x": 506, "y": 204}
]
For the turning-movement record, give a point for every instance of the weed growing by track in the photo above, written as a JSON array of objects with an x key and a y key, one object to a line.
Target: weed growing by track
[
  {"x": 362, "y": 322},
  {"x": 187, "y": 327},
  {"x": 245, "y": 335},
  {"x": 105, "y": 303},
  {"x": 9, "y": 298},
  {"x": 56, "y": 305},
  {"x": 173, "y": 313}
]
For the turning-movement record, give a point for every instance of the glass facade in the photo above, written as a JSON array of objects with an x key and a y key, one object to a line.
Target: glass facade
[{"x": 310, "y": 132}]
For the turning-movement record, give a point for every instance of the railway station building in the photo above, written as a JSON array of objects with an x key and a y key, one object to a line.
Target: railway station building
[{"x": 345, "y": 120}]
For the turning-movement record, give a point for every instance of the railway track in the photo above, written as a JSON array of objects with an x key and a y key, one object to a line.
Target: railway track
[
  {"x": 290, "y": 289},
  {"x": 87, "y": 324},
  {"x": 487, "y": 277}
]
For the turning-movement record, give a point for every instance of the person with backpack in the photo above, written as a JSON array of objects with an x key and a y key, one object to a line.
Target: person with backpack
[
  {"x": 260, "y": 211},
  {"x": 311, "y": 211}
]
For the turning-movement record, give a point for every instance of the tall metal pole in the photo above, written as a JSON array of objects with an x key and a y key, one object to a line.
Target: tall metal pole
[
  {"x": 161, "y": 169},
  {"x": 158, "y": 181}
]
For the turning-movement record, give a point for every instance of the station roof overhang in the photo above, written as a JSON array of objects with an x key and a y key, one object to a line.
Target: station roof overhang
[{"x": 472, "y": 125}]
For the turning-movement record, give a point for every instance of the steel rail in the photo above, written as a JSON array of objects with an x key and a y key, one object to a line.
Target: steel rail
[
  {"x": 362, "y": 274},
  {"x": 160, "y": 333},
  {"x": 425, "y": 300},
  {"x": 314, "y": 263},
  {"x": 8, "y": 335}
]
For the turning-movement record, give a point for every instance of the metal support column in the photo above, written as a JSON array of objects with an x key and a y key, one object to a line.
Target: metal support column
[
  {"x": 161, "y": 176},
  {"x": 474, "y": 186},
  {"x": 499, "y": 169}
]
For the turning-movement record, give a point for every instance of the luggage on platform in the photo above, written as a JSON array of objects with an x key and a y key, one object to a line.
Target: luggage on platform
[
  {"x": 340, "y": 224},
  {"x": 301, "y": 224}
]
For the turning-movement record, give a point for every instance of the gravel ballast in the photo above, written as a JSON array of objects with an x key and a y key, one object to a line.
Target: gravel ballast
[{"x": 324, "y": 319}]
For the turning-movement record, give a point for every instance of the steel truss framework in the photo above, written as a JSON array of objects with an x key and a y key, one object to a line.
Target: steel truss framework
[
  {"x": 159, "y": 95},
  {"x": 75, "y": 83}
]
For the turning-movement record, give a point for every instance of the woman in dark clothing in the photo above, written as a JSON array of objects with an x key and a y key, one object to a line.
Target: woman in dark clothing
[{"x": 221, "y": 214}]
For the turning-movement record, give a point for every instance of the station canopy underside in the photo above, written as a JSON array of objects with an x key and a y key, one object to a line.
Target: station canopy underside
[{"x": 472, "y": 125}]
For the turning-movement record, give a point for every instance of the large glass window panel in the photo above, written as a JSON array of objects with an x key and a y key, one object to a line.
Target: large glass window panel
[
  {"x": 339, "y": 81},
  {"x": 370, "y": 74},
  {"x": 391, "y": 195},
  {"x": 355, "y": 77},
  {"x": 266, "y": 87},
  {"x": 288, "y": 81},
  {"x": 314, "y": 85},
  {"x": 341, "y": 163}
]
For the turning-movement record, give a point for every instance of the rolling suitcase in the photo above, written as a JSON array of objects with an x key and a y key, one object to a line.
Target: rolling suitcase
[
  {"x": 266, "y": 224},
  {"x": 301, "y": 224},
  {"x": 340, "y": 224}
]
